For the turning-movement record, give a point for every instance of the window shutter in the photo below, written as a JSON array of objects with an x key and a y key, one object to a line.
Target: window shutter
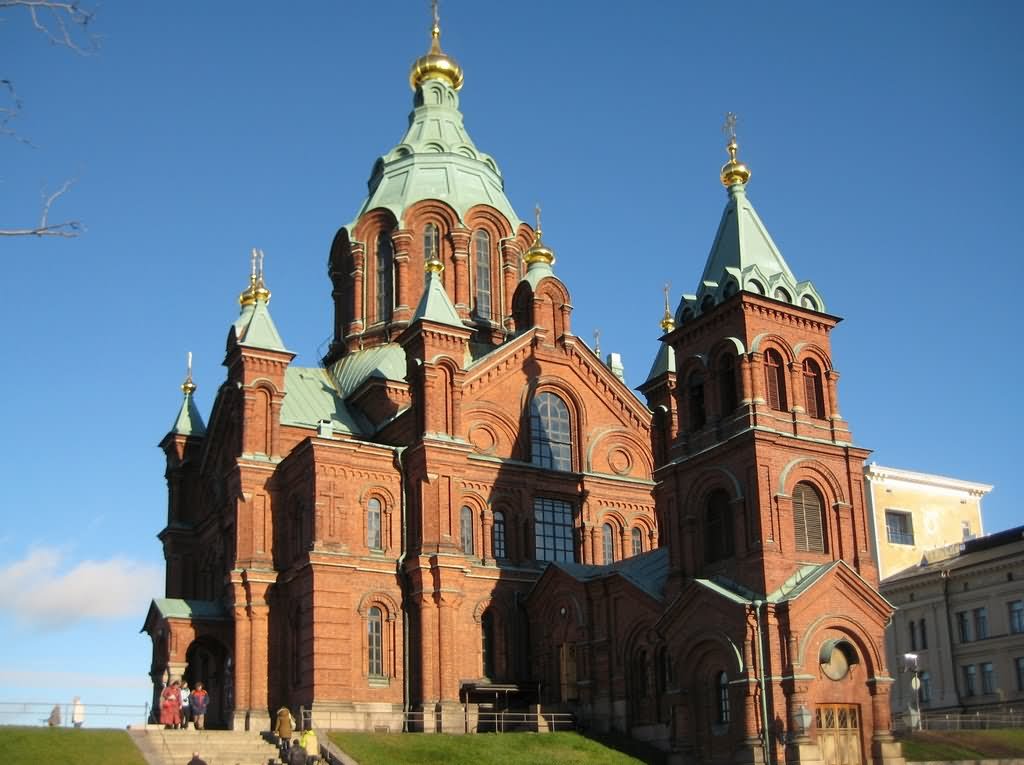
[
  {"x": 807, "y": 521},
  {"x": 775, "y": 385},
  {"x": 813, "y": 398}
]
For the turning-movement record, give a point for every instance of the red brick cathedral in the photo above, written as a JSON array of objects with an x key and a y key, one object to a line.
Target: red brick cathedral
[{"x": 463, "y": 508}]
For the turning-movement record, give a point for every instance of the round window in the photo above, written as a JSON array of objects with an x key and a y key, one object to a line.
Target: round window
[{"x": 836, "y": 657}]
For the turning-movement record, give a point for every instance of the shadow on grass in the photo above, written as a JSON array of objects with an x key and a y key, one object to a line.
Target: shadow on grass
[{"x": 623, "y": 743}]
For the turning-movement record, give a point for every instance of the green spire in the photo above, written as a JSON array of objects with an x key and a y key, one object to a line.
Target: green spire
[
  {"x": 435, "y": 305},
  {"x": 254, "y": 328},
  {"x": 189, "y": 422}
]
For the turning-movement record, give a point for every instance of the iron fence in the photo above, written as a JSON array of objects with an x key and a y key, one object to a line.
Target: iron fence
[
  {"x": 94, "y": 715},
  {"x": 980, "y": 720},
  {"x": 473, "y": 720}
]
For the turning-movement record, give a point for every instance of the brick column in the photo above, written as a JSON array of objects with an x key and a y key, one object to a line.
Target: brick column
[
  {"x": 746, "y": 379},
  {"x": 401, "y": 241},
  {"x": 460, "y": 245},
  {"x": 358, "y": 266},
  {"x": 832, "y": 381},
  {"x": 486, "y": 524},
  {"x": 510, "y": 273}
]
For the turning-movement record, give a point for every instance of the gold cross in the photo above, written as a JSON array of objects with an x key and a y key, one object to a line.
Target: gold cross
[
  {"x": 729, "y": 128},
  {"x": 437, "y": 15},
  {"x": 536, "y": 210}
]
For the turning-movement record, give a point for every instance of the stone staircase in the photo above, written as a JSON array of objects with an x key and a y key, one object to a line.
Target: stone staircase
[{"x": 216, "y": 747}]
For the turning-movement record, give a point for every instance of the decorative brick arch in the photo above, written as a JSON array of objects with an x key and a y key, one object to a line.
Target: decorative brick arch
[
  {"x": 380, "y": 599},
  {"x": 711, "y": 478},
  {"x": 763, "y": 342},
  {"x": 815, "y": 473},
  {"x": 852, "y": 630},
  {"x": 813, "y": 351}
]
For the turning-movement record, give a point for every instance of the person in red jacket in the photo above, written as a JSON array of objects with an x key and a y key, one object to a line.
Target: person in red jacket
[{"x": 198, "y": 701}]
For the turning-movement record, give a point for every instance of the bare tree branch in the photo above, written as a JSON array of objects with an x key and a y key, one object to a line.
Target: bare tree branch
[
  {"x": 9, "y": 113},
  {"x": 57, "y": 22},
  {"x": 67, "y": 229}
]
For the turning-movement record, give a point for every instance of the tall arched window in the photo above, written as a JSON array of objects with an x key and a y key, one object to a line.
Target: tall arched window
[
  {"x": 607, "y": 544},
  {"x": 498, "y": 535},
  {"x": 775, "y": 380},
  {"x": 431, "y": 245},
  {"x": 487, "y": 643},
  {"x": 718, "y": 527},
  {"x": 466, "y": 528},
  {"x": 638, "y": 540},
  {"x": 814, "y": 398},
  {"x": 375, "y": 643},
  {"x": 482, "y": 254},
  {"x": 808, "y": 526},
  {"x": 723, "y": 698},
  {"x": 550, "y": 437},
  {"x": 695, "y": 395},
  {"x": 373, "y": 535},
  {"x": 727, "y": 383},
  {"x": 385, "y": 276}
]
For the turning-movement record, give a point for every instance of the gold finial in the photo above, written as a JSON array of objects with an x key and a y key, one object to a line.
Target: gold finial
[
  {"x": 597, "y": 343},
  {"x": 188, "y": 387},
  {"x": 538, "y": 252},
  {"x": 433, "y": 266},
  {"x": 256, "y": 290},
  {"x": 668, "y": 323},
  {"x": 733, "y": 172},
  {"x": 435, "y": 63}
]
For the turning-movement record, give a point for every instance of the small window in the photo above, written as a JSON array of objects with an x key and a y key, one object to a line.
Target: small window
[
  {"x": 498, "y": 536},
  {"x": 755, "y": 286},
  {"x": 727, "y": 383},
  {"x": 899, "y": 527},
  {"x": 718, "y": 527},
  {"x": 963, "y": 627},
  {"x": 980, "y": 623},
  {"x": 466, "y": 529},
  {"x": 695, "y": 395},
  {"x": 375, "y": 642},
  {"x": 373, "y": 535},
  {"x": 966, "y": 533},
  {"x": 1016, "y": 608},
  {"x": 607, "y": 544},
  {"x": 913, "y": 635},
  {"x": 638, "y": 541},
  {"x": 723, "y": 698},
  {"x": 550, "y": 437},
  {"x": 707, "y": 303},
  {"x": 970, "y": 680},
  {"x": 1018, "y": 665},
  {"x": 924, "y": 691},
  {"x": 775, "y": 380},
  {"x": 814, "y": 397},
  {"x": 807, "y": 519},
  {"x": 922, "y": 633},
  {"x": 385, "y": 276},
  {"x": 482, "y": 256},
  {"x": 988, "y": 678}
]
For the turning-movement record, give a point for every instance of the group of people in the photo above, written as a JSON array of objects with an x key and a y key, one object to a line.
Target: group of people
[
  {"x": 77, "y": 714},
  {"x": 304, "y": 750},
  {"x": 178, "y": 704}
]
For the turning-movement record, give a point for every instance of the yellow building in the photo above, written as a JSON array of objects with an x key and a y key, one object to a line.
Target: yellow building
[{"x": 911, "y": 513}]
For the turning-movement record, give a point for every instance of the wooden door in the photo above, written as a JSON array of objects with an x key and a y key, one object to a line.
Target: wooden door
[{"x": 838, "y": 732}]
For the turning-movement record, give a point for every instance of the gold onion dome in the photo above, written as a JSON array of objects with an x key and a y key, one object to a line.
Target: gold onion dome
[
  {"x": 435, "y": 64},
  {"x": 256, "y": 290},
  {"x": 734, "y": 171},
  {"x": 188, "y": 387},
  {"x": 539, "y": 252},
  {"x": 433, "y": 266}
]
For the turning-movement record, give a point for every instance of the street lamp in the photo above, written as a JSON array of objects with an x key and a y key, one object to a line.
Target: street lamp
[
  {"x": 913, "y": 703},
  {"x": 802, "y": 718}
]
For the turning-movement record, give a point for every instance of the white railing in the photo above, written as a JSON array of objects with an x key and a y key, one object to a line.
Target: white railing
[
  {"x": 980, "y": 720},
  {"x": 95, "y": 715}
]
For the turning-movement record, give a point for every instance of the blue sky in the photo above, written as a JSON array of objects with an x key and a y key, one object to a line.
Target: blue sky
[{"x": 880, "y": 136}]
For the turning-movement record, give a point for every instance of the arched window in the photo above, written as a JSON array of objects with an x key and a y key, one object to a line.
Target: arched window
[
  {"x": 814, "y": 398},
  {"x": 607, "y": 545},
  {"x": 727, "y": 383},
  {"x": 923, "y": 632},
  {"x": 550, "y": 438},
  {"x": 373, "y": 535},
  {"x": 482, "y": 254},
  {"x": 718, "y": 527},
  {"x": 498, "y": 535},
  {"x": 775, "y": 380},
  {"x": 431, "y": 245},
  {"x": 695, "y": 396},
  {"x": 466, "y": 527},
  {"x": 638, "y": 540},
  {"x": 385, "y": 276},
  {"x": 375, "y": 643},
  {"x": 487, "y": 643},
  {"x": 807, "y": 519},
  {"x": 723, "y": 698}
]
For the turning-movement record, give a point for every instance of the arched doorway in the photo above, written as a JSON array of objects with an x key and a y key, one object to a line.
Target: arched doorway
[{"x": 208, "y": 661}]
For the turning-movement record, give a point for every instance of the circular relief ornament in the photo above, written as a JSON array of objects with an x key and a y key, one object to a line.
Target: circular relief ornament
[
  {"x": 620, "y": 461},
  {"x": 836, "y": 657},
  {"x": 482, "y": 438}
]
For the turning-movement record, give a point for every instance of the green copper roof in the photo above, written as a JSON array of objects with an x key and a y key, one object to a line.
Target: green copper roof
[
  {"x": 311, "y": 398},
  {"x": 537, "y": 270},
  {"x": 189, "y": 422},
  {"x": 255, "y": 329},
  {"x": 664, "y": 362},
  {"x": 177, "y": 608},
  {"x": 744, "y": 257},
  {"x": 436, "y": 159},
  {"x": 352, "y": 369},
  {"x": 435, "y": 305}
]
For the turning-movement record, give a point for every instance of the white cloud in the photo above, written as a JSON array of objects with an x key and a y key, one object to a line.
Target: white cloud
[
  {"x": 40, "y": 590},
  {"x": 34, "y": 679}
]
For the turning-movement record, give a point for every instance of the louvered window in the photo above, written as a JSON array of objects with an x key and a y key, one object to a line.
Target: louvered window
[
  {"x": 775, "y": 380},
  {"x": 695, "y": 391},
  {"x": 727, "y": 382},
  {"x": 718, "y": 527},
  {"x": 814, "y": 399},
  {"x": 807, "y": 519}
]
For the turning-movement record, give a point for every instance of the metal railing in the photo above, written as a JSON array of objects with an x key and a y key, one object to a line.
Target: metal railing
[
  {"x": 980, "y": 720},
  {"x": 94, "y": 715},
  {"x": 473, "y": 720}
]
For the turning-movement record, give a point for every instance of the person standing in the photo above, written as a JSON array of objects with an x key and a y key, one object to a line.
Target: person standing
[
  {"x": 196, "y": 759},
  {"x": 184, "y": 705},
  {"x": 198, "y": 700},
  {"x": 77, "y": 712},
  {"x": 54, "y": 719},
  {"x": 311, "y": 745},
  {"x": 170, "y": 706},
  {"x": 296, "y": 754},
  {"x": 283, "y": 727}
]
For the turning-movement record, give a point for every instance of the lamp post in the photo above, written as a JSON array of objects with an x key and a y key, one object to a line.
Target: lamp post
[
  {"x": 913, "y": 703},
  {"x": 802, "y": 718}
]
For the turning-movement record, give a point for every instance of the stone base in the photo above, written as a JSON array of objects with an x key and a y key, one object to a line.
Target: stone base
[
  {"x": 380, "y": 717},
  {"x": 887, "y": 751},
  {"x": 804, "y": 751}
]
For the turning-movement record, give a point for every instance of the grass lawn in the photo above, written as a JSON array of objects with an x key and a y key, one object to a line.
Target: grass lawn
[
  {"x": 478, "y": 749},
  {"x": 67, "y": 746},
  {"x": 963, "y": 744}
]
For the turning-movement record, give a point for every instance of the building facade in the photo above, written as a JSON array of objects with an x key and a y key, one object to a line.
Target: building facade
[
  {"x": 912, "y": 513},
  {"x": 463, "y": 501},
  {"x": 959, "y": 627}
]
